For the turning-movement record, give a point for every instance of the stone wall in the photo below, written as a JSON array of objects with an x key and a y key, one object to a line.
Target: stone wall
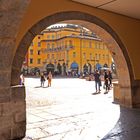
[
  {"x": 12, "y": 98},
  {"x": 12, "y": 113}
]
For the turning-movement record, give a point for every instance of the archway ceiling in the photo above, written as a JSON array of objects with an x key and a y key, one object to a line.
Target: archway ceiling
[{"x": 128, "y": 8}]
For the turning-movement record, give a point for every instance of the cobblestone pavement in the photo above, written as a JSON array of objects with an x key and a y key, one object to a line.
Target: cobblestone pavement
[{"x": 69, "y": 110}]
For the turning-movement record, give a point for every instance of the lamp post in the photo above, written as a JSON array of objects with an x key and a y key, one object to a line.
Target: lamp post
[
  {"x": 81, "y": 54},
  {"x": 67, "y": 59},
  {"x": 81, "y": 37},
  {"x": 55, "y": 67}
]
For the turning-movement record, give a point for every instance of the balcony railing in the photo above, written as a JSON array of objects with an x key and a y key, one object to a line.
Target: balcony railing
[{"x": 62, "y": 48}]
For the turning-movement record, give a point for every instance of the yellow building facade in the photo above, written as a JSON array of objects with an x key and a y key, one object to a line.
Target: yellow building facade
[{"x": 71, "y": 46}]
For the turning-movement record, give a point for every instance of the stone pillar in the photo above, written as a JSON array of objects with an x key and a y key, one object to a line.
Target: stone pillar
[
  {"x": 12, "y": 113},
  {"x": 136, "y": 94},
  {"x": 125, "y": 97},
  {"x": 5, "y": 113},
  {"x": 116, "y": 93},
  {"x": 122, "y": 95},
  {"x": 18, "y": 127}
]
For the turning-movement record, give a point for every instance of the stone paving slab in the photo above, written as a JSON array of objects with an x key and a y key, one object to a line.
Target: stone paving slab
[{"x": 68, "y": 111}]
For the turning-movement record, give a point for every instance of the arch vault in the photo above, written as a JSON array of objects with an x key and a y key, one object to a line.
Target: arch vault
[{"x": 21, "y": 22}]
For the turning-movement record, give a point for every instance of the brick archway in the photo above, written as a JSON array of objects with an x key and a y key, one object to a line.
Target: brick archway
[{"x": 106, "y": 33}]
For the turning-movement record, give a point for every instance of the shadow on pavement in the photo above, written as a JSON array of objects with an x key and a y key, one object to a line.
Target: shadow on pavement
[
  {"x": 127, "y": 127},
  {"x": 95, "y": 93},
  {"x": 45, "y": 87},
  {"x": 41, "y": 87},
  {"x": 38, "y": 87},
  {"x": 106, "y": 92}
]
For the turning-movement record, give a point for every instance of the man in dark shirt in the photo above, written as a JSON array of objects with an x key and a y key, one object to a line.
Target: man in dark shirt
[{"x": 97, "y": 81}]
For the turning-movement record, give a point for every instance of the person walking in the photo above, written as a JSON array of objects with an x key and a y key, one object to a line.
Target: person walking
[
  {"x": 97, "y": 81},
  {"x": 106, "y": 81},
  {"x": 49, "y": 78},
  {"x": 110, "y": 79},
  {"x": 22, "y": 80},
  {"x": 42, "y": 79}
]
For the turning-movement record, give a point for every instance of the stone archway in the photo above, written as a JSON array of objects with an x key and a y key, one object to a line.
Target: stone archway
[{"x": 106, "y": 33}]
